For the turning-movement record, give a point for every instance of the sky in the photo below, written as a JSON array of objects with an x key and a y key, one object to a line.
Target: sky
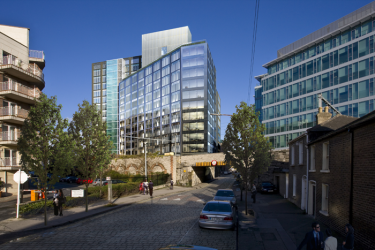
[{"x": 74, "y": 34}]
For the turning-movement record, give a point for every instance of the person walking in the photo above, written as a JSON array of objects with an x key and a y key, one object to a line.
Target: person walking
[
  {"x": 140, "y": 187},
  {"x": 145, "y": 187},
  {"x": 56, "y": 203},
  {"x": 331, "y": 242},
  {"x": 253, "y": 193},
  {"x": 349, "y": 240},
  {"x": 171, "y": 184},
  {"x": 61, "y": 200},
  {"x": 314, "y": 240},
  {"x": 151, "y": 187}
]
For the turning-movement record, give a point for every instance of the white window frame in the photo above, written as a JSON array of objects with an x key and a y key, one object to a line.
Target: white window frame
[
  {"x": 325, "y": 158},
  {"x": 325, "y": 199},
  {"x": 300, "y": 152},
  {"x": 312, "y": 158},
  {"x": 294, "y": 185}
]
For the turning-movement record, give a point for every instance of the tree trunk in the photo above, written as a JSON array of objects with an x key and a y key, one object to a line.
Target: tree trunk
[
  {"x": 45, "y": 207},
  {"x": 101, "y": 184},
  {"x": 87, "y": 194},
  {"x": 246, "y": 197}
]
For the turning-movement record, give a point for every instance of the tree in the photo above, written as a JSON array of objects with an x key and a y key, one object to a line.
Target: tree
[
  {"x": 92, "y": 145},
  {"x": 44, "y": 146},
  {"x": 245, "y": 145}
]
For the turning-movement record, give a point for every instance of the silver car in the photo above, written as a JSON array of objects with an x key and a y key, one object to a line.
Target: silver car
[
  {"x": 217, "y": 215},
  {"x": 225, "y": 194},
  {"x": 96, "y": 182}
]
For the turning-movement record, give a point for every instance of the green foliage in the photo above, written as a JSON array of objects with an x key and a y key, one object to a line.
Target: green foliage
[
  {"x": 92, "y": 145},
  {"x": 44, "y": 145},
  {"x": 118, "y": 190},
  {"x": 245, "y": 145}
]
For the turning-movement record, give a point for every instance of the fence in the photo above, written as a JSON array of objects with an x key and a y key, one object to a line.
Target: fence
[
  {"x": 15, "y": 86},
  {"x": 31, "y": 68},
  {"x": 36, "y": 54},
  {"x": 9, "y": 136},
  {"x": 7, "y": 111}
]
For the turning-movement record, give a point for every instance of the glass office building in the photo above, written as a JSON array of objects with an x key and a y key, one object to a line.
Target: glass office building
[
  {"x": 105, "y": 79},
  {"x": 171, "y": 100},
  {"x": 336, "y": 61}
]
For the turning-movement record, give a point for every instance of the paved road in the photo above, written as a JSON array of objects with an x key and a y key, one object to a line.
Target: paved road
[{"x": 148, "y": 225}]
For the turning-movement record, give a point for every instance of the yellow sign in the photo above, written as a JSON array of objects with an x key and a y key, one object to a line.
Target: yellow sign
[
  {"x": 208, "y": 164},
  {"x": 184, "y": 171}
]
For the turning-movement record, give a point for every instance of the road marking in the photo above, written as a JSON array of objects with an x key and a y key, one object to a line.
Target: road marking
[
  {"x": 164, "y": 199},
  {"x": 178, "y": 199},
  {"x": 200, "y": 200}
]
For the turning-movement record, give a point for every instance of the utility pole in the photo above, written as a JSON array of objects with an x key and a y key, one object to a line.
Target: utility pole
[{"x": 146, "y": 160}]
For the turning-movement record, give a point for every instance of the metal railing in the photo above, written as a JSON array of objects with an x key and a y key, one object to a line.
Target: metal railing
[
  {"x": 10, "y": 161},
  {"x": 36, "y": 54},
  {"x": 18, "y": 87},
  {"x": 8, "y": 136},
  {"x": 13, "y": 111},
  {"x": 30, "y": 68}
]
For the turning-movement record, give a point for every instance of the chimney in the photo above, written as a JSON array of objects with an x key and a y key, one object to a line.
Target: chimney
[{"x": 323, "y": 116}]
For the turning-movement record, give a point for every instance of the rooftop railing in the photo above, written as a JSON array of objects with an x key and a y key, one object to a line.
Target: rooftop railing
[
  {"x": 36, "y": 54},
  {"x": 18, "y": 87},
  {"x": 30, "y": 68}
]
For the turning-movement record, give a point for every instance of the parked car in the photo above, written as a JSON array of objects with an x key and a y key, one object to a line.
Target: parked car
[
  {"x": 96, "y": 182},
  {"x": 63, "y": 179},
  {"x": 71, "y": 179},
  {"x": 225, "y": 194},
  {"x": 118, "y": 181},
  {"x": 217, "y": 215},
  {"x": 81, "y": 181},
  {"x": 267, "y": 187}
]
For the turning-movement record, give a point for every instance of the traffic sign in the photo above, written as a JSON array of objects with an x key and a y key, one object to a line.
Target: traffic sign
[
  {"x": 16, "y": 177},
  {"x": 214, "y": 162}
]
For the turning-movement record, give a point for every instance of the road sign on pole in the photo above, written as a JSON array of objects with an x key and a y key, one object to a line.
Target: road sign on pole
[{"x": 19, "y": 177}]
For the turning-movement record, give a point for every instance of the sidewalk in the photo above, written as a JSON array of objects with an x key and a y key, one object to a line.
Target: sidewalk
[
  {"x": 272, "y": 223},
  {"x": 12, "y": 228}
]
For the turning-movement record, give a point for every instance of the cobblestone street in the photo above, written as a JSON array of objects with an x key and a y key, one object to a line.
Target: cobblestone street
[{"x": 148, "y": 225}]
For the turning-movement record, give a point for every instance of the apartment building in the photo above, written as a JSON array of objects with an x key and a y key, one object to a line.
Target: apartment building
[
  {"x": 106, "y": 76},
  {"x": 22, "y": 80},
  {"x": 336, "y": 61}
]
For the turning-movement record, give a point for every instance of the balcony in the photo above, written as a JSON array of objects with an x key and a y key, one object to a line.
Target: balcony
[
  {"x": 8, "y": 138},
  {"x": 37, "y": 56},
  {"x": 27, "y": 72},
  {"x": 13, "y": 115},
  {"x": 9, "y": 163},
  {"x": 19, "y": 92}
]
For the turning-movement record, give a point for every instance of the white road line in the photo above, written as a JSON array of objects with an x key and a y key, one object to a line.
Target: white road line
[
  {"x": 187, "y": 231},
  {"x": 178, "y": 199},
  {"x": 164, "y": 199}
]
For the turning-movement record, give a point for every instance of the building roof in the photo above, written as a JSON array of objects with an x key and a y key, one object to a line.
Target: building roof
[
  {"x": 356, "y": 122},
  {"x": 297, "y": 138},
  {"x": 332, "y": 124}
]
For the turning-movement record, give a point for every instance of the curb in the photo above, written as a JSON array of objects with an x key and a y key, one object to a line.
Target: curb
[{"x": 9, "y": 237}]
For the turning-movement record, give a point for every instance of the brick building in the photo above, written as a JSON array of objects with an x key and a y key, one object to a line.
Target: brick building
[{"x": 341, "y": 179}]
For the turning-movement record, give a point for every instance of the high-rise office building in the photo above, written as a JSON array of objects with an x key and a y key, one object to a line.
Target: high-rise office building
[
  {"x": 106, "y": 76},
  {"x": 21, "y": 81},
  {"x": 171, "y": 98},
  {"x": 336, "y": 61}
]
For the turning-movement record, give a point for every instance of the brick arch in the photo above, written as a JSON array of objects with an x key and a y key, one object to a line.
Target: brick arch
[
  {"x": 130, "y": 167},
  {"x": 160, "y": 165}
]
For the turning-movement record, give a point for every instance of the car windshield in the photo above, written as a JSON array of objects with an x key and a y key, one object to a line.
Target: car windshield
[
  {"x": 225, "y": 193},
  {"x": 217, "y": 207}
]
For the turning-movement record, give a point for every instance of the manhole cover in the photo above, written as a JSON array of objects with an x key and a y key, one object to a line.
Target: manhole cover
[
  {"x": 251, "y": 212},
  {"x": 268, "y": 236}
]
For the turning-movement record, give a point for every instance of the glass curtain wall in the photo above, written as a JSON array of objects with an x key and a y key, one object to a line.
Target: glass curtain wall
[{"x": 112, "y": 103}]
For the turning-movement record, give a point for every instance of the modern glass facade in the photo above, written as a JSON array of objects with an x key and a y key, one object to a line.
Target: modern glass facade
[
  {"x": 340, "y": 67},
  {"x": 171, "y": 99},
  {"x": 105, "y": 78}
]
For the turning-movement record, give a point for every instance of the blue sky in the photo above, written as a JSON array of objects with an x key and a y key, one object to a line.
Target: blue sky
[{"x": 75, "y": 34}]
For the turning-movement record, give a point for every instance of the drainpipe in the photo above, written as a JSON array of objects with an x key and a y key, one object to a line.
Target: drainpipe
[
  {"x": 307, "y": 172},
  {"x": 351, "y": 175}
]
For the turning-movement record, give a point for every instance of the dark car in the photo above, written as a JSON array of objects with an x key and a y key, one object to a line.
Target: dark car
[
  {"x": 71, "y": 179},
  {"x": 267, "y": 187}
]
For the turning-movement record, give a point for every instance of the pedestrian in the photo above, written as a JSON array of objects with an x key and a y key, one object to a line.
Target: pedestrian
[
  {"x": 61, "y": 200},
  {"x": 56, "y": 203},
  {"x": 313, "y": 239},
  {"x": 140, "y": 187},
  {"x": 172, "y": 184},
  {"x": 331, "y": 242},
  {"x": 151, "y": 187},
  {"x": 254, "y": 193},
  {"x": 145, "y": 187},
  {"x": 349, "y": 240}
]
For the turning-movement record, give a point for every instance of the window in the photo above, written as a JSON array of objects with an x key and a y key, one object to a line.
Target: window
[
  {"x": 175, "y": 96},
  {"x": 325, "y": 189},
  {"x": 196, "y": 83},
  {"x": 176, "y": 76},
  {"x": 175, "y": 66},
  {"x": 175, "y": 55},
  {"x": 165, "y": 71},
  {"x": 165, "y": 61},
  {"x": 156, "y": 66},
  {"x": 300, "y": 151},
  {"x": 165, "y": 80},
  {"x": 193, "y": 105},
  {"x": 156, "y": 85},
  {"x": 175, "y": 107},
  {"x": 96, "y": 86},
  {"x": 175, "y": 86},
  {"x": 97, "y": 100},
  {"x": 193, "y": 94},
  {"x": 325, "y": 165},
  {"x": 294, "y": 185},
  {"x": 292, "y": 155},
  {"x": 163, "y": 51},
  {"x": 312, "y": 158},
  {"x": 96, "y": 93},
  {"x": 165, "y": 100}
]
